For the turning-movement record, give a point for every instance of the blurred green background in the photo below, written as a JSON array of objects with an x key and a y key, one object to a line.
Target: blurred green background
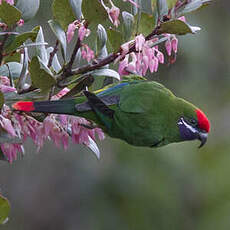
[{"x": 176, "y": 187}]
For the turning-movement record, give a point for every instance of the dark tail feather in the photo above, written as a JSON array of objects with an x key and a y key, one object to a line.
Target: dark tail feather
[{"x": 60, "y": 106}]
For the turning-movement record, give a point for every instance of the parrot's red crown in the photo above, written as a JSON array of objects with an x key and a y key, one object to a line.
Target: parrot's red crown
[{"x": 203, "y": 121}]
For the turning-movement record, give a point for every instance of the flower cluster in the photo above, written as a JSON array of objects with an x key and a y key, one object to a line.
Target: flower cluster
[
  {"x": 16, "y": 128},
  {"x": 82, "y": 30},
  {"x": 87, "y": 53},
  {"x": 5, "y": 85},
  {"x": 146, "y": 55},
  {"x": 114, "y": 11}
]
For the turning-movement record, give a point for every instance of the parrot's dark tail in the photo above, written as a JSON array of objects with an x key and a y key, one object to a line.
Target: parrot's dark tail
[{"x": 59, "y": 106}]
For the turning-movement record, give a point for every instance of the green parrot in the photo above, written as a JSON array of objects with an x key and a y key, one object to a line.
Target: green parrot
[{"x": 140, "y": 112}]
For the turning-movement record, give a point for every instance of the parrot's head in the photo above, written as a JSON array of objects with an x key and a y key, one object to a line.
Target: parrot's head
[{"x": 194, "y": 127}]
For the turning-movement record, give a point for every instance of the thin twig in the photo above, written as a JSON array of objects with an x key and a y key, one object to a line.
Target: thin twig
[
  {"x": 27, "y": 90},
  {"x": 70, "y": 64},
  {"x": 52, "y": 54}
]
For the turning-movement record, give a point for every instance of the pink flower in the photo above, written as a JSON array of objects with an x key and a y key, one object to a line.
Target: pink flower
[
  {"x": 100, "y": 134},
  {"x": 83, "y": 32},
  {"x": 168, "y": 47},
  {"x": 11, "y": 2},
  {"x": 57, "y": 128},
  {"x": 53, "y": 129},
  {"x": 147, "y": 57},
  {"x": 156, "y": 64},
  {"x": 6, "y": 89},
  {"x": 145, "y": 64},
  {"x": 125, "y": 48},
  {"x": 174, "y": 43},
  {"x": 81, "y": 134},
  {"x": 160, "y": 56},
  {"x": 20, "y": 22},
  {"x": 10, "y": 151},
  {"x": 60, "y": 93},
  {"x": 87, "y": 53},
  {"x": 70, "y": 31},
  {"x": 7, "y": 125},
  {"x": 122, "y": 66},
  {"x": 4, "y": 80},
  {"x": 182, "y": 18},
  {"x": 131, "y": 68},
  {"x": 138, "y": 63},
  {"x": 139, "y": 42},
  {"x": 113, "y": 15}
]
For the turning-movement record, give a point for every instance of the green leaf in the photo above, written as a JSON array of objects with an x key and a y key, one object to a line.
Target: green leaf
[
  {"x": 176, "y": 27},
  {"x": 128, "y": 20},
  {"x": 9, "y": 14},
  {"x": 9, "y": 33},
  {"x": 23, "y": 74},
  {"x": 20, "y": 39},
  {"x": 1, "y": 99},
  {"x": 28, "y": 8},
  {"x": 15, "y": 57},
  {"x": 34, "y": 44},
  {"x": 115, "y": 39},
  {"x": 146, "y": 6},
  {"x": 101, "y": 36},
  {"x": 60, "y": 35},
  {"x": 41, "y": 49},
  {"x": 192, "y": 6},
  {"x": 146, "y": 23},
  {"x": 94, "y": 12},
  {"x": 55, "y": 63},
  {"x": 40, "y": 78},
  {"x": 105, "y": 73},
  {"x": 12, "y": 69},
  {"x": 4, "y": 209},
  {"x": 76, "y": 7},
  {"x": 171, "y": 3},
  {"x": 101, "y": 42},
  {"x": 63, "y": 13},
  {"x": 162, "y": 8}
]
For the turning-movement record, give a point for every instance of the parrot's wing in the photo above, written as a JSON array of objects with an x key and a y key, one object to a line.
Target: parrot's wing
[
  {"x": 141, "y": 98},
  {"x": 100, "y": 108},
  {"x": 107, "y": 100}
]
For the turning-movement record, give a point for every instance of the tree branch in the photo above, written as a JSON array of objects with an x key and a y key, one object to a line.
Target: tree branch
[
  {"x": 70, "y": 64},
  {"x": 100, "y": 63},
  {"x": 52, "y": 54}
]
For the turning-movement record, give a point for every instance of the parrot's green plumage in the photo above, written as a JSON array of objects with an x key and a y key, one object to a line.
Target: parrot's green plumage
[{"x": 140, "y": 112}]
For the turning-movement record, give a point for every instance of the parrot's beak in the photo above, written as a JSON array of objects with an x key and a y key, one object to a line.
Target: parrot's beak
[
  {"x": 188, "y": 132},
  {"x": 203, "y": 138}
]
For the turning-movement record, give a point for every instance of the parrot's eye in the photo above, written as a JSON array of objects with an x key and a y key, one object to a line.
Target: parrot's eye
[{"x": 193, "y": 122}]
